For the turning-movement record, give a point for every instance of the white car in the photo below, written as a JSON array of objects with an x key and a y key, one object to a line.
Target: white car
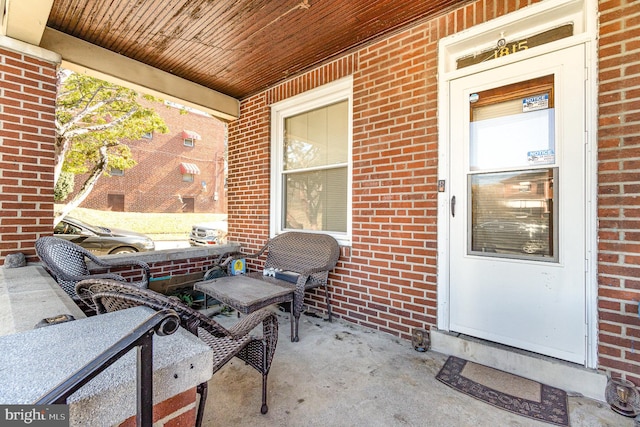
[{"x": 208, "y": 233}]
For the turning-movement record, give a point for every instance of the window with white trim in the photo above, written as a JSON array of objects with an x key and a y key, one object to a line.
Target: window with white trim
[{"x": 311, "y": 161}]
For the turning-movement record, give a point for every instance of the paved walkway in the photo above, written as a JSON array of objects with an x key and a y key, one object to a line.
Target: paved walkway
[{"x": 340, "y": 374}]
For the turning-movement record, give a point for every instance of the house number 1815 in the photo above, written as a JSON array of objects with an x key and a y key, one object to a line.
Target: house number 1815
[
  {"x": 513, "y": 48},
  {"x": 502, "y": 48}
]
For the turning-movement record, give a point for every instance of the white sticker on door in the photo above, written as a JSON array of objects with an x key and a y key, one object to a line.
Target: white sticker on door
[
  {"x": 541, "y": 157},
  {"x": 534, "y": 103}
]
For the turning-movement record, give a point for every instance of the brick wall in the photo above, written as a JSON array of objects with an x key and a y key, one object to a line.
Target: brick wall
[
  {"x": 249, "y": 154},
  {"x": 248, "y": 175},
  {"x": 155, "y": 183},
  {"x": 177, "y": 411},
  {"x": 27, "y": 137},
  {"x": 619, "y": 187},
  {"x": 387, "y": 279},
  {"x": 162, "y": 266}
]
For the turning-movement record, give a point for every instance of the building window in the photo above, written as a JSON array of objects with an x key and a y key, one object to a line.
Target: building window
[
  {"x": 311, "y": 161},
  {"x": 147, "y": 135},
  {"x": 188, "y": 205},
  {"x": 188, "y": 171},
  {"x": 190, "y": 137},
  {"x": 115, "y": 202},
  {"x": 116, "y": 172}
]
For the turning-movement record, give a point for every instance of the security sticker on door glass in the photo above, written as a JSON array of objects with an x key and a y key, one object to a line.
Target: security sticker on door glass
[
  {"x": 541, "y": 157},
  {"x": 534, "y": 103}
]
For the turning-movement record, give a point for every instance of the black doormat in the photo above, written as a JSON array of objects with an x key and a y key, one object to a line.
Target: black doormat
[{"x": 506, "y": 391}]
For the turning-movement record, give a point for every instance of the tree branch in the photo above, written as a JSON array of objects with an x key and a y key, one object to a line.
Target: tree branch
[
  {"x": 105, "y": 126},
  {"x": 86, "y": 188}
]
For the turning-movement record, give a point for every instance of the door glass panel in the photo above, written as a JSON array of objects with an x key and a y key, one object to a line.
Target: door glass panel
[
  {"x": 513, "y": 126},
  {"x": 512, "y": 214},
  {"x": 513, "y": 140},
  {"x": 511, "y": 178}
]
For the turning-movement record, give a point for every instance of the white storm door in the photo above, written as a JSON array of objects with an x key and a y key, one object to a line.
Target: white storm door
[{"x": 517, "y": 218}]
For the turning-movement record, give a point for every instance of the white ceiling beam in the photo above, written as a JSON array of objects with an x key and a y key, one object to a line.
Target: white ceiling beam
[
  {"x": 83, "y": 57},
  {"x": 3, "y": 17},
  {"x": 25, "y": 20}
]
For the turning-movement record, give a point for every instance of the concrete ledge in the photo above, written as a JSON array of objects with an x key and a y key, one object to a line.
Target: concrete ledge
[
  {"x": 30, "y": 50},
  {"x": 39, "y": 359},
  {"x": 28, "y": 295},
  {"x": 167, "y": 255},
  {"x": 554, "y": 372}
]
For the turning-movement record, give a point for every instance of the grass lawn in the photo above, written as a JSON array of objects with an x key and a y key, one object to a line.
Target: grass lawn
[{"x": 158, "y": 226}]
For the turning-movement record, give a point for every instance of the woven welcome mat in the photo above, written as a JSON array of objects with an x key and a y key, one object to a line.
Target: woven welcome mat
[{"x": 506, "y": 391}]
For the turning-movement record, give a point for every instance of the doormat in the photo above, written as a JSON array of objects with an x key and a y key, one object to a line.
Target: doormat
[{"x": 506, "y": 391}]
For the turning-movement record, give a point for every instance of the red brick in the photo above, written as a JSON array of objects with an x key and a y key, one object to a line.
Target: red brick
[
  {"x": 18, "y": 80},
  {"x": 186, "y": 419},
  {"x": 171, "y": 405}
]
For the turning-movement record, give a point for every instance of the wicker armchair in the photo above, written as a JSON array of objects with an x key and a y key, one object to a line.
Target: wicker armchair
[
  {"x": 310, "y": 255},
  {"x": 66, "y": 262},
  {"x": 109, "y": 295}
]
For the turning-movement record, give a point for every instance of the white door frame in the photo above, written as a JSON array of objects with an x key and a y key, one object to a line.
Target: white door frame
[{"x": 529, "y": 20}]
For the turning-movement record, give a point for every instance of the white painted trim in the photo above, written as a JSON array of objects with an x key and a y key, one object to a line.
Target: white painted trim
[
  {"x": 338, "y": 90},
  {"x": 26, "y": 19},
  {"x": 521, "y": 23},
  {"x": 526, "y": 21},
  {"x": 29, "y": 50},
  {"x": 443, "y": 259},
  {"x": 4, "y": 17},
  {"x": 591, "y": 220}
]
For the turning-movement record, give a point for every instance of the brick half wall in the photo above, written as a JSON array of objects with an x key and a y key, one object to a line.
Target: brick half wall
[{"x": 179, "y": 410}]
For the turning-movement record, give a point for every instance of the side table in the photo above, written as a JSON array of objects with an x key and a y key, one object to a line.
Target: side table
[{"x": 248, "y": 293}]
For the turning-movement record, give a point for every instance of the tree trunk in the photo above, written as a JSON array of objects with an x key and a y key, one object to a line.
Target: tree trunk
[
  {"x": 62, "y": 146},
  {"x": 86, "y": 188}
]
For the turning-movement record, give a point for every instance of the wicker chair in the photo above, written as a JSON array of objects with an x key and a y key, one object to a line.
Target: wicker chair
[
  {"x": 311, "y": 255},
  {"x": 66, "y": 262},
  {"x": 109, "y": 295}
]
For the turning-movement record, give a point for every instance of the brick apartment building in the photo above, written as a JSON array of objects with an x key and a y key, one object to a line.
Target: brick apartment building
[{"x": 182, "y": 170}]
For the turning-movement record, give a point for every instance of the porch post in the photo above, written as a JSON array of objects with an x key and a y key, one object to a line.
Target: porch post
[{"x": 27, "y": 137}]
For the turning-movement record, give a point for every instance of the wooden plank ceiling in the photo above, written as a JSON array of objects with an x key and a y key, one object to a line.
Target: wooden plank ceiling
[{"x": 237, "y": 47}]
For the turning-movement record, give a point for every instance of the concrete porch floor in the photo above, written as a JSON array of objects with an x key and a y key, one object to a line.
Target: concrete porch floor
[{"x": 340, "y": 374}]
